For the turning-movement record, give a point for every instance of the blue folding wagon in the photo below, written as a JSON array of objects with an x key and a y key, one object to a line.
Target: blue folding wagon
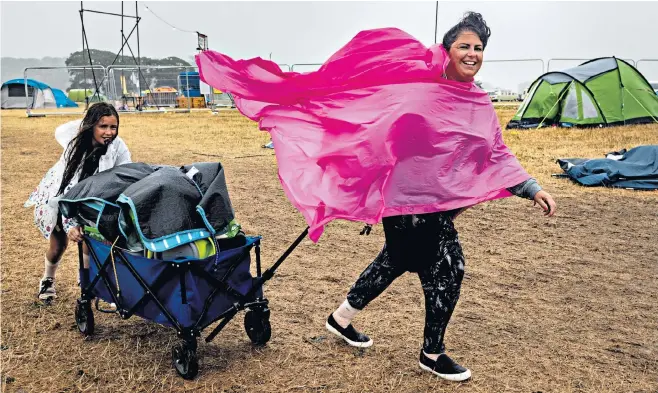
[{"x": 164, "y": 245}]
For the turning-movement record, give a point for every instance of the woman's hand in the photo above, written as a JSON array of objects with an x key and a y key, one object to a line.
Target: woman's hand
[
  {"x": 546, "y": 202},
  {"x": 75, "y": 234}
]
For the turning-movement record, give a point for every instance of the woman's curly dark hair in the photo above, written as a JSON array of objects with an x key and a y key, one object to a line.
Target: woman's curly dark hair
[
  {"x": 81, "y": 147},
  {"x": 473, "y": 22}
]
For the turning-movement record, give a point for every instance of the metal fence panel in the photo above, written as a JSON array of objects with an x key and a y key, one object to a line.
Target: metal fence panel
[
  {"x": 60, "y": 78},
  {"x": 648, "y": 68},
  {"x": 580, "y": 62},
  {"x": 152, "y": 88}
]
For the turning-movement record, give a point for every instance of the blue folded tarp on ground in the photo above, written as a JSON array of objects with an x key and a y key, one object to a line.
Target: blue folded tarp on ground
[{"x": 635, "y": 169}]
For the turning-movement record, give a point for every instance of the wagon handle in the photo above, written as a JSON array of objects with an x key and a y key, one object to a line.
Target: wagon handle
[
  {"x": 230, "y": 313},
  {"x": 269, "y": 273}
]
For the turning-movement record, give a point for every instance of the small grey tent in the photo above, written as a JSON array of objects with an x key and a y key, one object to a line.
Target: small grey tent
[{"x": 39, "y": 95}]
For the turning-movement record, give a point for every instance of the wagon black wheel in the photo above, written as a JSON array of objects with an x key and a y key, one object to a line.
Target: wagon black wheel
[
  {"x": 84, "y": 317},
  {"x": 185, "y": 361},
  {"x": 257, "y": 325}
]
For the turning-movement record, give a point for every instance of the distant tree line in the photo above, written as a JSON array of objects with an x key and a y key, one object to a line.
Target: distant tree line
[{"x": 84, "y": 79}]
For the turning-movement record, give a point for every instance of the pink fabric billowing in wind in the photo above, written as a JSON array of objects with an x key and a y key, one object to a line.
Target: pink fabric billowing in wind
[{"x": 375, "y": 132}]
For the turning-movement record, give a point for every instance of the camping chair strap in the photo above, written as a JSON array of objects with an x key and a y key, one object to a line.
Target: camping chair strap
[
  {"x": 638, "y": 101},
  {"x": 556, "y": 102},
  {"x": 114, "y": 267}
]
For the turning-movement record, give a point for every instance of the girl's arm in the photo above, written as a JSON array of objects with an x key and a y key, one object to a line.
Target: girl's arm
[
  {"x": 67, "y": 131},
  {"x": 123, "y": 154}
]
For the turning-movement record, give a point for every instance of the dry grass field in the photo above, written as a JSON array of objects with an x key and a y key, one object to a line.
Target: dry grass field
[{"x": 562, "y": 304}]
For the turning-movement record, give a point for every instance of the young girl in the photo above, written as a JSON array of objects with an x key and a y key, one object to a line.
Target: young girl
[{"x": 91, "y": 145}]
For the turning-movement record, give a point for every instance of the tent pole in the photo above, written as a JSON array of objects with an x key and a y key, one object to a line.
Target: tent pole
[
  {"x": 139, "y": 61},
  {"x": 122, "y": 37},
  {"x": 436, "y": 21},
  {"x": 84, "y": 70}
]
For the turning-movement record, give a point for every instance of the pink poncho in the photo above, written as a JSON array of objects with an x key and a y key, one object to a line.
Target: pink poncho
[{"x": 375, "y": 132}]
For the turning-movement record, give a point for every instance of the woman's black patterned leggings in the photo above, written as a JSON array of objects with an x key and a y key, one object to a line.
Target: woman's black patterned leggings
[{"x": 427, "y": 244}]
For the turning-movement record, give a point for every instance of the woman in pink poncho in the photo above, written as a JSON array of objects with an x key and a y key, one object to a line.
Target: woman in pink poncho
[
  {"x": 428, "y": 243},
  {"x": 387, "y": 130}
]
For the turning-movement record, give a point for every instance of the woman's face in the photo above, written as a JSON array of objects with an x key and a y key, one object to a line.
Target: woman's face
[
  {"x": 465, "y": 57},
  {"x": 105, "y": 130}
]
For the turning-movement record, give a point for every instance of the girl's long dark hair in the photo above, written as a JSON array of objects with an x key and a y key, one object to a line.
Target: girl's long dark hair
[{"x": 81, "y": 147}]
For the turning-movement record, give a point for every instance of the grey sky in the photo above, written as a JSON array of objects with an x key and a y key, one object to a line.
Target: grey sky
[{"x": 309, "y": 32}]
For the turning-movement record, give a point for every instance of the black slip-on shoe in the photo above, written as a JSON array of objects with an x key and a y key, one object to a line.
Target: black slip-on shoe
[
  {"x": 349, "y": 334},
  {"x": 444, "y": 367}
]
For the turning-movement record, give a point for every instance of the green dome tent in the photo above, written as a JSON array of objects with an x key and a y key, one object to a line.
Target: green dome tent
[
  {"x": 79, "y": 95},
  {"x": 600, "y": 92}
]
